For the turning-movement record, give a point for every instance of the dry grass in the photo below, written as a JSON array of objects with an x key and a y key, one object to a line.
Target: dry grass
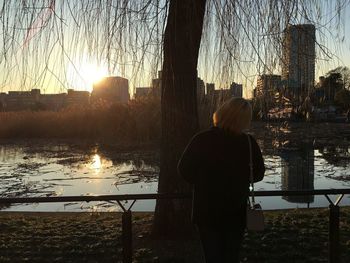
[
  {"x": 137, "y": 121},
  {"x": 291, "y": 236}
]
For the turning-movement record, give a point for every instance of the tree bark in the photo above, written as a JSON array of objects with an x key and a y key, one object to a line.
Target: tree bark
[{"x": 179, "y": 110}]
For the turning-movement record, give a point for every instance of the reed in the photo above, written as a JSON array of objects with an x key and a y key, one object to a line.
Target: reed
[{"x": 139, "y": 120}]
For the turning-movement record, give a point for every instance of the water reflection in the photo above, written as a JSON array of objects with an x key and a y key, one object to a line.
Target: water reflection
[
  {"x": 307, "y": 157},
  {"x": 96, "y": 163},
  {"x": 34, "y": 169},
  {"x": 298, "y": 173},
  {"x": 335, "y": 155}
]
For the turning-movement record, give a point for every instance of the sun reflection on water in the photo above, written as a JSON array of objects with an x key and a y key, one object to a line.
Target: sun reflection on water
[{"x": 96, "y": 163}]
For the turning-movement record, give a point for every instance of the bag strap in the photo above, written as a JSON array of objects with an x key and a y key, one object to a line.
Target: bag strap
[{"x": 251, "y": 176}]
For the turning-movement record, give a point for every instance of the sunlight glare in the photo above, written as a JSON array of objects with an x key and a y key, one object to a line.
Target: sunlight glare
[
  {"x": 82, "y": 76},
  {"x": 96, "y": 163},
  {"x": 92, "y": 73}
]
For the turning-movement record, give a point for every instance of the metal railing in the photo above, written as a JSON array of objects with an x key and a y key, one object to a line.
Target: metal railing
[{"x": 127, "y": 213}]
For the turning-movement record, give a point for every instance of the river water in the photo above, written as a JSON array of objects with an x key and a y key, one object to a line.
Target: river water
[{"x": 42, "y": 168}]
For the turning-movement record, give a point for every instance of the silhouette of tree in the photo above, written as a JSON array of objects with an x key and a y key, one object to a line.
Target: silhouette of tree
[
  {"x": 333, "y": 82},
  {"x": 343, "y": 76},
  {"x": 342, "y": 97},
  {"x": 179, "y": 108}
]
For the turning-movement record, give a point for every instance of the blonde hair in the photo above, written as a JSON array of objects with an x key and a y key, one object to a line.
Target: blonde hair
[{"x": 234, "y": 115}]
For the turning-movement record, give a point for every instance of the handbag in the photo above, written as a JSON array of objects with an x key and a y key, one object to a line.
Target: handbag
[{"x": 255, "y": 215}]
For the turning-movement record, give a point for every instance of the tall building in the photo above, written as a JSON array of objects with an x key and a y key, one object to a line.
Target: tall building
[
  {"x": 236, "y": 89},
  {"x": 111, "y": 89},
  {"x": 298, "y": 59}
]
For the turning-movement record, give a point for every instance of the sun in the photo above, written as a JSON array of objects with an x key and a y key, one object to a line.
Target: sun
[
  {"x": 82, "y": 76},
  {"x": 92, "y": 73}
]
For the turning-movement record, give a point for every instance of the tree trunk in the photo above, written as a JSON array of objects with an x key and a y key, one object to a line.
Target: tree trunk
[{"x": 179, "y": 110}]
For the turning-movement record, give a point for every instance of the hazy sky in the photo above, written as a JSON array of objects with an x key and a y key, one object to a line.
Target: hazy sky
[{"x": 62, "y": 51}]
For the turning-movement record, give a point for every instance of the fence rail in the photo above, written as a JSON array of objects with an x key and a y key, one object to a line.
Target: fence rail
[
  {"x": 127, "y": 217},
  {"x": 126, "y": 197}
]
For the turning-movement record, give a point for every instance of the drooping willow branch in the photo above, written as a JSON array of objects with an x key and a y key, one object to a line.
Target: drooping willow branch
[{"x": 39, "y": 40}]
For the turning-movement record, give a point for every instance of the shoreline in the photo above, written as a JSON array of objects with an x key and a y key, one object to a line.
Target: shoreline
[{"x": 258, "y": 128}]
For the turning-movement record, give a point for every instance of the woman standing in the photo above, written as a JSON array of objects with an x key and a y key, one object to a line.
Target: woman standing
[{"x": 216, "y": 163}]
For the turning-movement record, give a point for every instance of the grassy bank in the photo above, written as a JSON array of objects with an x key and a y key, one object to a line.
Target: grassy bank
[{"x": 290, "y": 236}]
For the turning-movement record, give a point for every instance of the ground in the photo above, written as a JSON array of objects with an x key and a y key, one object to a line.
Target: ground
[{"x": 299, "y": 235}]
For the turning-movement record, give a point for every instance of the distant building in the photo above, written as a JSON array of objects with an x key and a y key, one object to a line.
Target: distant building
[
  {"x": 200, "y": 90},
  {"x": 142, "y": 92},
  {"x": 267, "y": 85},
  {"x": 298, "y": 59},
  {"x": 111, "y": 89},
  {"x": 210, "y": 89},
  {"x": 22, "y": 100},
  {"x": 3, "y": 97},
  {"x": 53, "y": 102},
  {"x": 236, "y": 89},
  {"x": 34, "y": 100},
  {"x": 223, "y": 94},
  {"x": 217, "y": 97},
  {"x": 78, "y": 98}
]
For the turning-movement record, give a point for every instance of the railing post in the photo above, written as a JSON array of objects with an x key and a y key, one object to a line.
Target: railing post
[
  {"x": 127, "y": 236},
  {"x": 333, "y": 233}
]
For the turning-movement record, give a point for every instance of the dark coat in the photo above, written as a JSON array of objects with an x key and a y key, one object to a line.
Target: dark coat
[{"x": 216, "y": 163}]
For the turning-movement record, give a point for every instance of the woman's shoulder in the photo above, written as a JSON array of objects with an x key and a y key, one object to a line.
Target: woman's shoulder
[
  {"x": 215, "y": 132},
  {"x": 206, "y": 136},
  {"x": 207, "y": 133}
]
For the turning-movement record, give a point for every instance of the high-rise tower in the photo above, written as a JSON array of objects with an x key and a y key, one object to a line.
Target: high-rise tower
[{"x": 298, "y": 59}]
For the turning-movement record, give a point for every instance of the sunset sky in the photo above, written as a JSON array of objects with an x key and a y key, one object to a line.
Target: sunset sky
[{"x": 51, "y": 49}]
